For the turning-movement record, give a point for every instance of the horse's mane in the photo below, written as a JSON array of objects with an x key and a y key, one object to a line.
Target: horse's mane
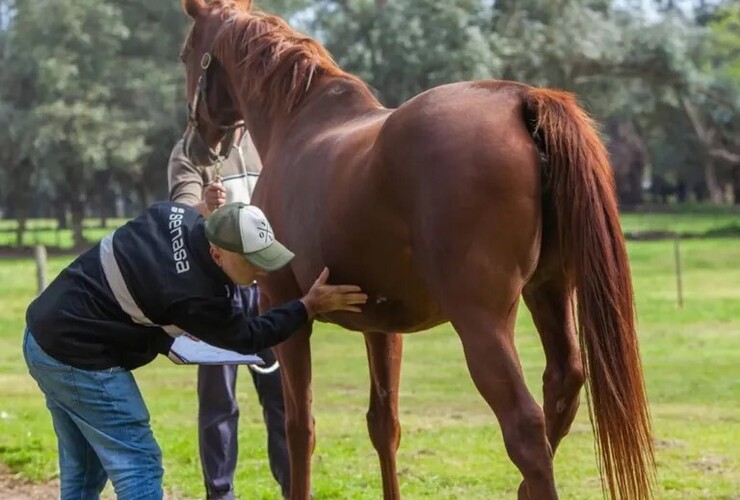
[{"x": 279, "y": 63}]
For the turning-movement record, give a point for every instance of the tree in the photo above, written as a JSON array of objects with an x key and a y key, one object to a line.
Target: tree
[
  {"x": 402, "y": 48},
  {"x": 18, "y": 92},
  {"x": 718, "y": 94},
  {"x": 92, "y": 93},
  {"x": 665, "y": 74}
]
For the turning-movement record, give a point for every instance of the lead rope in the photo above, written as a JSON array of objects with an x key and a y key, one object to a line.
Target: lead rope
[
  {"x": 256, "y": 369},
  {"x": 219, "y": 164}
]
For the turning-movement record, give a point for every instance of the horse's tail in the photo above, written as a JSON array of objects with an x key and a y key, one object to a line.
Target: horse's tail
[{"x": 579, "y": 182}]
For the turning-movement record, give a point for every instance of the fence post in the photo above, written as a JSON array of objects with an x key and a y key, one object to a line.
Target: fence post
[
  {"x": 40, "y": 257},
  {"x": 677, "y": 257}
]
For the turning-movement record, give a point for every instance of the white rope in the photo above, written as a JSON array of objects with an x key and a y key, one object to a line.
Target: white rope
[{"x": 265, "y": 371}]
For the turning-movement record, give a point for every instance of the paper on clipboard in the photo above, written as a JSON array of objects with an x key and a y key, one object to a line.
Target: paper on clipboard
[{"x": 189, "y": 350}]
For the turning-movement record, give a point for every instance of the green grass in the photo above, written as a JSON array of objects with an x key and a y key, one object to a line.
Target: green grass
[
  {"x": 44, "y": 232},
  {"x": 451, "y": 446},
  {"x": 12, "y": 224},
  {"x": 694, "y": 219},
  {"x": 698, "y": 222}
]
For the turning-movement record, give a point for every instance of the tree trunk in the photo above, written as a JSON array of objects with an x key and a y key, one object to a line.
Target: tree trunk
[
  {"x": 628, "y": 157},
  {"x": 21, "y": 216},
  {"x": 78, "y": 215},
  {"x": 20, "y": 195},
  {"x": 143, "y": 194},
  {"x": 60, "y": 213},
  {"x": 700, "y": 191},
  {"x": 106, "y": 197},
  {"x": 710, "y": 176},
  {"x": 681, "y": 192},
  {"x": 707, "y": 137},
  {"x": 736, "y": 184},
  {"x": 19, "y": 203}
]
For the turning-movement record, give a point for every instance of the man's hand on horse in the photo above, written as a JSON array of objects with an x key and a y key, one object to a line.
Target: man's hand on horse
[{"x": 324, "y": 298}]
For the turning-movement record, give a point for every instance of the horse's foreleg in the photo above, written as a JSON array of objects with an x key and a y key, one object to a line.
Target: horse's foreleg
[
  {"x": 563, "y": 378},
  {"x": 295, "y": 364},
  {"x": 384, "y": 357}
]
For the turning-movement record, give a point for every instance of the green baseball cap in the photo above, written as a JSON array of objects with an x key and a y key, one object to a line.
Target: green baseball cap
[{"x": 241, "y": 228}]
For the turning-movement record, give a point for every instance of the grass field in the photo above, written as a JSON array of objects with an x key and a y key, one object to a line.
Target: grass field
[
  {"x": 44, "y": 232},
  {"x": 679, "y": 222},
  {"x": 691, "y": 219},
  {"x": 451, "y": 446}
]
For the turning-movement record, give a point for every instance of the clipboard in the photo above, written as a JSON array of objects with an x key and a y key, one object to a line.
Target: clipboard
[{"x": 189, "y": 350}]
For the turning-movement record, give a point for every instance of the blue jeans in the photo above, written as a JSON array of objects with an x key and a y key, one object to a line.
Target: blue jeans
[{"x": 102, "y": 428}]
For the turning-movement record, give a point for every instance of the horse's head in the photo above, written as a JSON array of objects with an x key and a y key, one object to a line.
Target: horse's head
[{"x": 213, "y": 115}]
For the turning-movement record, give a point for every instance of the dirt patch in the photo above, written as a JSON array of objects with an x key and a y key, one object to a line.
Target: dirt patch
[
  {"x": 712, "y": 464},
  {"x": 12, "y": 487},
  {"x": 666, "y": 444}
]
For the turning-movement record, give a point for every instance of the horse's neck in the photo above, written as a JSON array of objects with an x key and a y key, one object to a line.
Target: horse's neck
[
  {"x": 260, "y": 126},
  {"x": 329, "y": 103}
]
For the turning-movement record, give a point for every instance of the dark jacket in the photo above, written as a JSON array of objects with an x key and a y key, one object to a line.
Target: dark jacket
[{"x": 123, "y": 301}]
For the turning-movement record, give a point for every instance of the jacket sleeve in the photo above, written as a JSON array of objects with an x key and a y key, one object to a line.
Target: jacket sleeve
[
  {"x": 185, "y": 181},
  {"x": 217, "y": 322}
]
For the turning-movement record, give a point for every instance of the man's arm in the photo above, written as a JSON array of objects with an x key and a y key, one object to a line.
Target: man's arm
[
  {"x": 239, "y": 332},
  {"x": 185, "y": 181},
  {"x": 217, "y": 322}
]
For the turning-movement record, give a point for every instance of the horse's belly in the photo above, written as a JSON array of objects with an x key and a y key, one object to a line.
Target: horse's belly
[{"x": 387, "y": 315}]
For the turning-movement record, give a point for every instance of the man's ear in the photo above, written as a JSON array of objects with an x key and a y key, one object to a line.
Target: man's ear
[
  {"x": 194, "y": 8},
  {"x": 216, "y": 255}
]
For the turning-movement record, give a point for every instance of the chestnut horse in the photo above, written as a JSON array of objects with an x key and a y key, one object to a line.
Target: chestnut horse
[{"x": 448, "y": 208}]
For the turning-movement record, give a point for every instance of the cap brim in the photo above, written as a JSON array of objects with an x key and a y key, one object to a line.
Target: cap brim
[{"x": 271, "y": 258}]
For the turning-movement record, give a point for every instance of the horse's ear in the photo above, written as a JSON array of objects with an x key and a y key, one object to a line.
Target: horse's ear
[
  {"x": 194, "y": 8},
  {"x": 245, "y": 5}
]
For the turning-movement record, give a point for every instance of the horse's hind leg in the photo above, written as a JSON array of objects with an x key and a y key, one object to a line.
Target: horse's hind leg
[
  {"x": 488, "y": 341},
  {"x": 549, "y": 303},
  {"x": 384, "y": 357}
]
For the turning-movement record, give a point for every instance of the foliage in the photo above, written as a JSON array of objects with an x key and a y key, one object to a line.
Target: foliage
[
  {"x": 91, "y": 92},
  {"x": 663, "y": 74}
]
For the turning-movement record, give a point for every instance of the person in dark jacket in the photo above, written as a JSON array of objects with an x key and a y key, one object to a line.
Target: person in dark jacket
[{"x": 121, "y": 303}]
